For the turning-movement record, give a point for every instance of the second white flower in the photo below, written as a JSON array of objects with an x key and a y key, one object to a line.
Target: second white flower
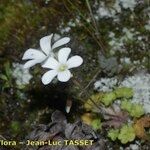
[{"x": 60, "y": 67}]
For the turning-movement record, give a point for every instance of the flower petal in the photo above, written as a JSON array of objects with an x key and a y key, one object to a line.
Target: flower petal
[
  {"x": 61, "y": 42},
  {"x": 48, "y": 76},
  {"x": 63, "y": 54},
  {"x": 34, "y": 54},
  {"x": 74, "y": 61},
  {"x": 64, "y": 76},
  {"x": 51, "y": 63},
  {"x": 45, "y": 44},
  {"x": 30, "y": 63}
]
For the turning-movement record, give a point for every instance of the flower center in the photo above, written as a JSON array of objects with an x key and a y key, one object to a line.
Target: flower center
[{"x": 62, "y": 67}]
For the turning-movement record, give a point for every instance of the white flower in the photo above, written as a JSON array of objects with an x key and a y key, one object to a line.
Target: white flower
[
  {"x": 61, "y": 67},
  {"x": 35, "y": 56}
]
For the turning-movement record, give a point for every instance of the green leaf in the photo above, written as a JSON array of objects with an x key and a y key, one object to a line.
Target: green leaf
[
  {"x": 124, "y": 92},
  {"x": 96, "y": 124},
  {"x": 108, "y": 98},
  {"x": 126, "y": 105},
  {"x": 15, "y": 127},
  {"x": 3, "y": 77},
  {"x": 7, "y": 69},
  {"x": 113, "y": 134},
  {"x": 127, "y": 134},
  {"x": 137, "y": 110},
  {"x": 94, "y": 99}
]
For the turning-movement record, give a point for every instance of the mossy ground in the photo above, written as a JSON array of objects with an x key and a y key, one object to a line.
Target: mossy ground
[{"x": 22, "y": 24}]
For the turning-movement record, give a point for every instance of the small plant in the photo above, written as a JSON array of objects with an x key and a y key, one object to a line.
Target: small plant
[
  {"x": 53, "y": 57},
  {"x": 58, "y": 62},
  {"x": 113, "y": 134},
  {"x": 126, "y": 105},
  {"x": 135, "y": 110},
  {"x": 7, "y": 76},
  {"x": 92, "y": 120},
  {"x": 125, "y": 134},
  {"x": 124, "y": 92},
  {"x": 108, "y": 98},
  {"x": 96, "y": 124},
  {"x": 118, "y": 117}
]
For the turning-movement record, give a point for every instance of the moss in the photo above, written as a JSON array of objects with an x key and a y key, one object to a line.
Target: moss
[
  {"x": 15, "y": 127},
  {"x": 124, "y": 92},
  {"x": 108, "y": 98},
  {"x": 93, "y": 101},
  {"x": 22, "y": 22}
]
